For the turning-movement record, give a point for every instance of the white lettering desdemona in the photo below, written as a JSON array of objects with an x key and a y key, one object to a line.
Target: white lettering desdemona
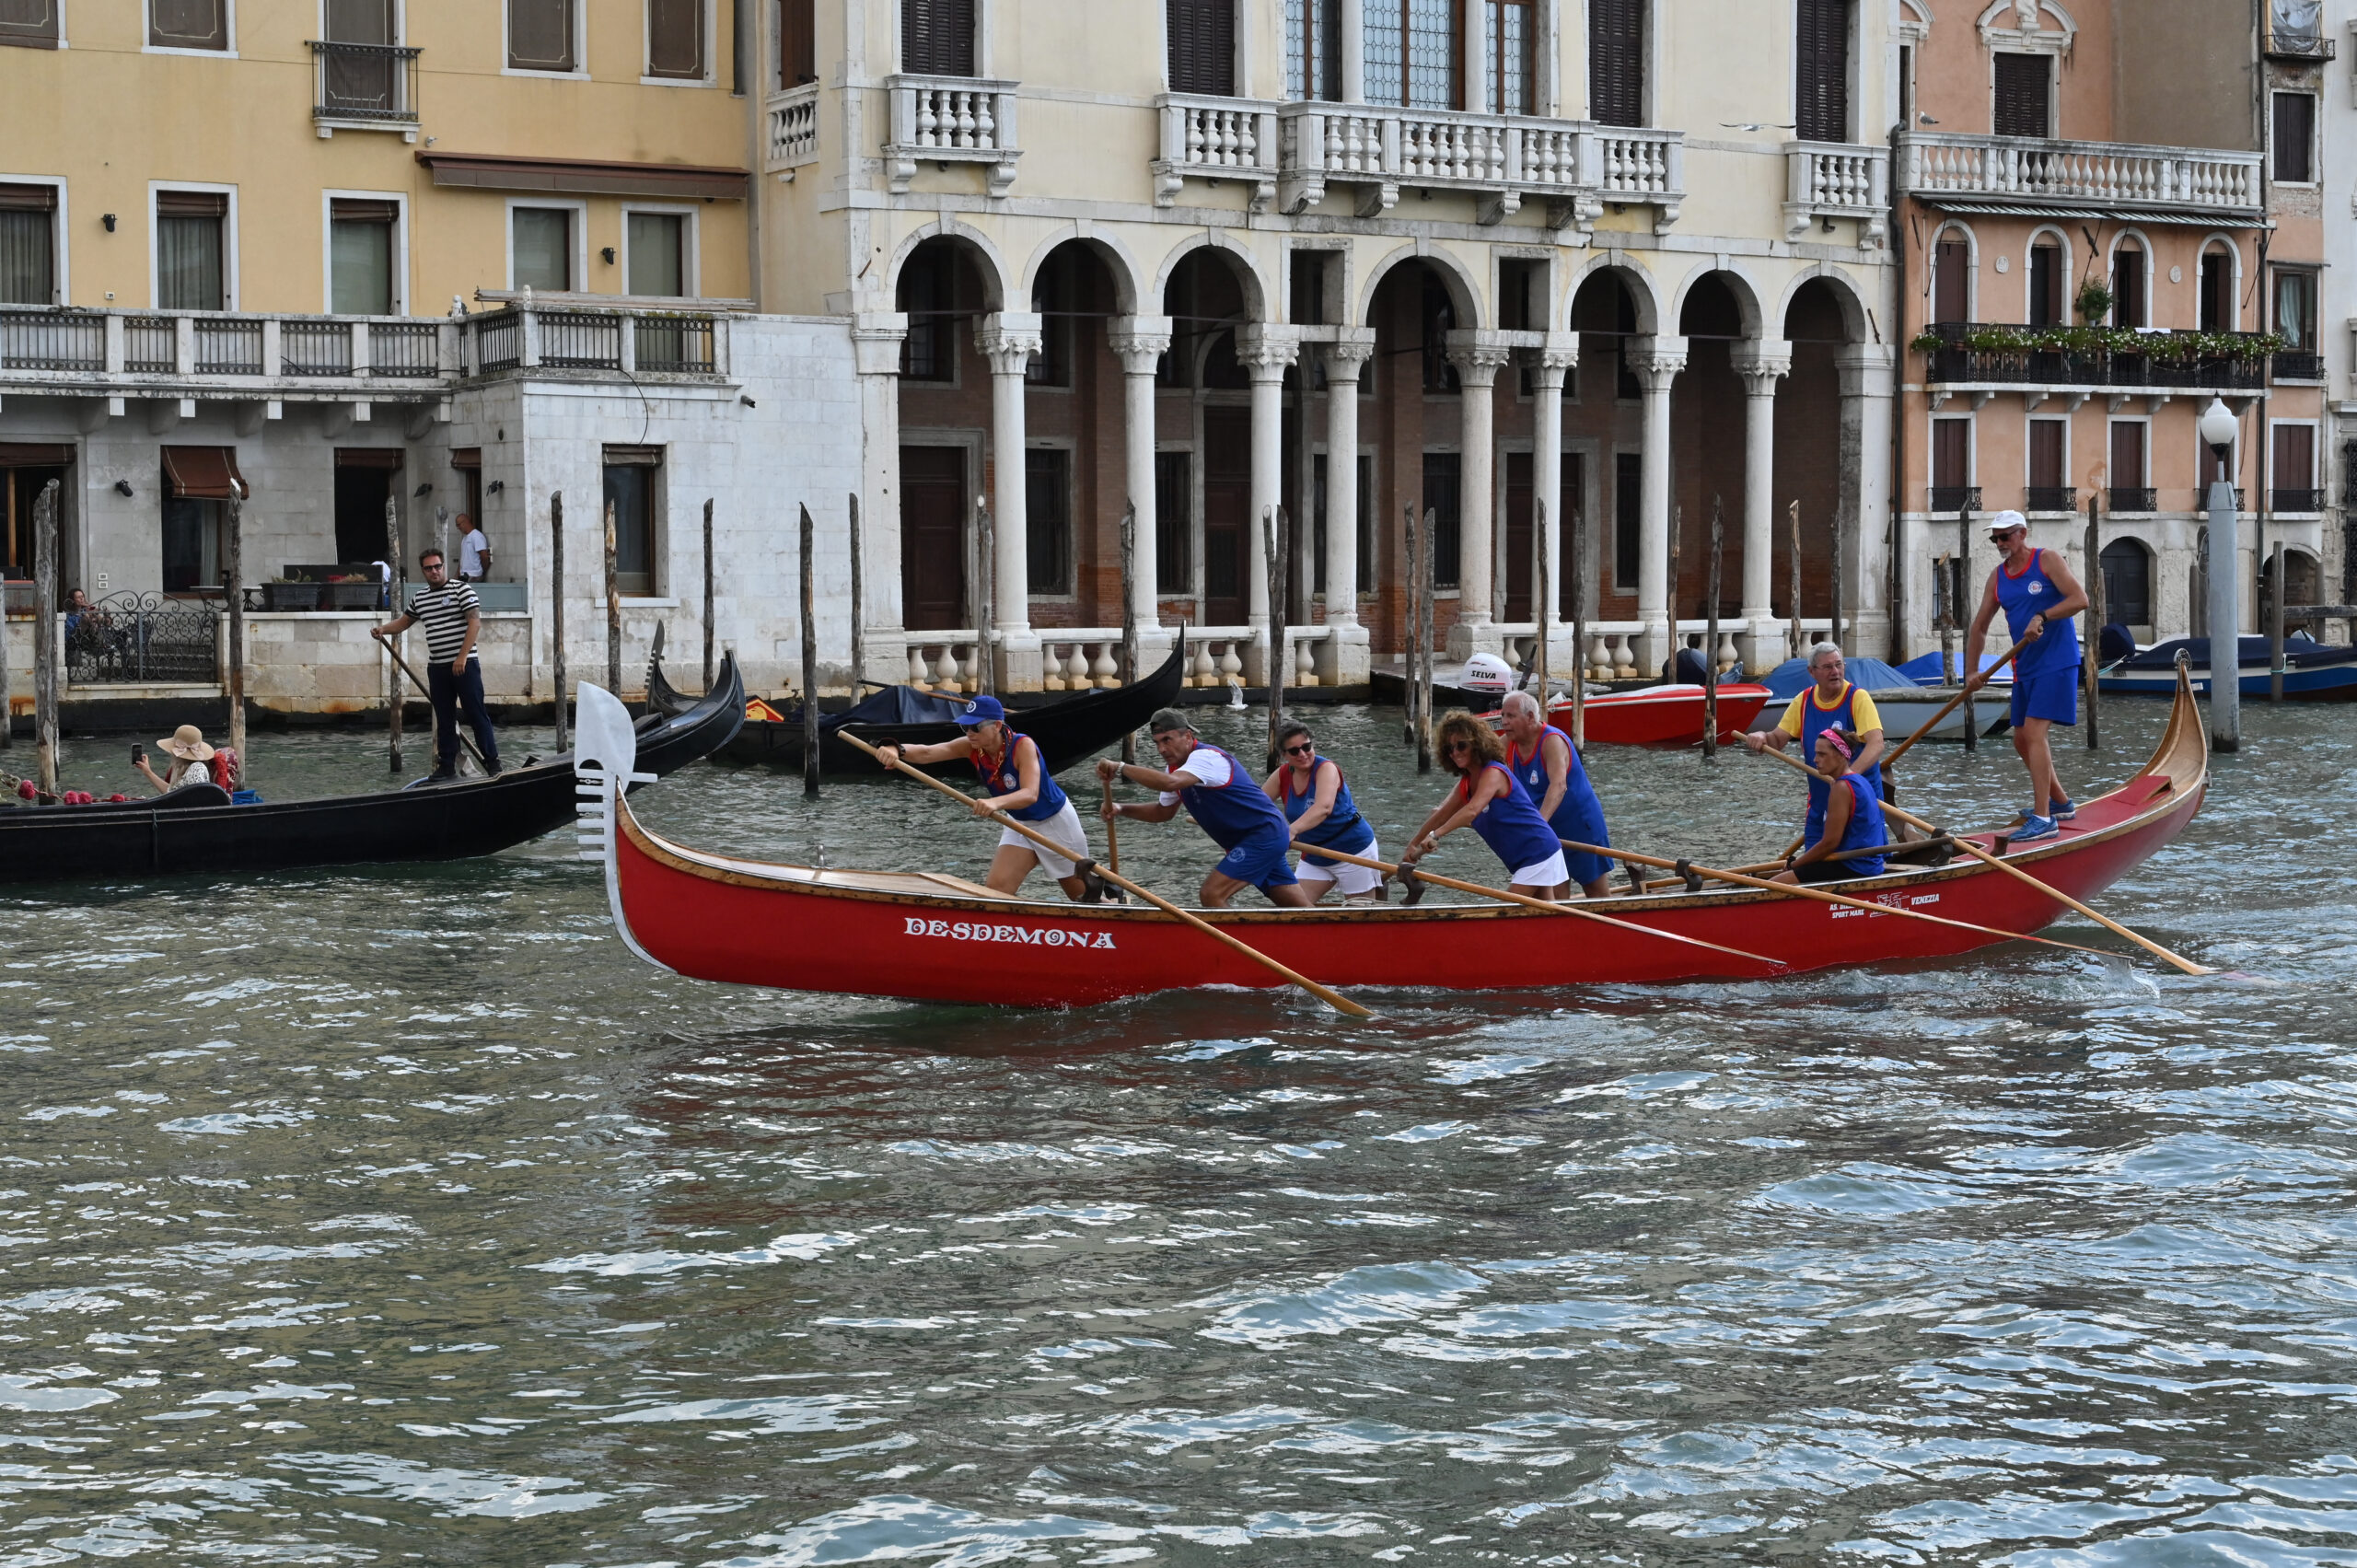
[{"x": 1023, "y": 935}]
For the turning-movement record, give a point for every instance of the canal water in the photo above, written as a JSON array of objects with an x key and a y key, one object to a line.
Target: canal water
[{"x": 373, "y": 1216}]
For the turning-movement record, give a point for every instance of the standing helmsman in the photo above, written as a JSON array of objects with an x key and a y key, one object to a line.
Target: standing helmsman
[
  {"x": 1547, "y": 764},
  {"x": 1225, "y": 802},
  {"x": 2041, "y": 601},
  {"x": 453, "y": 619}
]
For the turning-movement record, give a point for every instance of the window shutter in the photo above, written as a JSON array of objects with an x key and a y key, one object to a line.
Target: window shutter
[
  {"x": 360, "y": 21},
  {"x": 188, "y": 24},
  {"x": 1203, "y": 47},
  {"x": 27, "y": 198},
  {"x": 1821, "y": 70},
  {"x": 2296, "y": 116},
  {"x": 2128, "y": 455},
  {"x": 1951, "y": 282},
  {"x": 192, "y": 205},
  {"x": 344, "y": 210},
  {"x": 1951, "y": 453},
  {"x": 2021, "y": 103},
  {"x": 797, "y": 45},
  {"x": 2295, "y": 457},
  {"x": 2046, "y": 453},
  {"x": 937, "y": 37},
  {"x": 29, "y": 22},
  {"x": 675, "y": 38},
  {"x": 1615, "y": 62},
  {"x": 540, "y": 35}
]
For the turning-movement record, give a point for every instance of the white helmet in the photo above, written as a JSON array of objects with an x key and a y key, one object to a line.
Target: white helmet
[{"x": 1486, "y": 672}]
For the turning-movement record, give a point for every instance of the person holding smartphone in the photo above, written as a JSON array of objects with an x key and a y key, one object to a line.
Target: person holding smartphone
[{"x": 193, "y": 762}]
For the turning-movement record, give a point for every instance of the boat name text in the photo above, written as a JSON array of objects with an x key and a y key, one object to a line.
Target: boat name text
[{"x": 1029, "y": 935}]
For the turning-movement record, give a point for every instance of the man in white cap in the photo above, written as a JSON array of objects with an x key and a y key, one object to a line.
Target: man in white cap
[{"x": 2041, "y": 601}]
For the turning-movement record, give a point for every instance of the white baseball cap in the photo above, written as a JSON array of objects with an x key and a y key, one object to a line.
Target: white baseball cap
[{"x": 2007, "y": 521}]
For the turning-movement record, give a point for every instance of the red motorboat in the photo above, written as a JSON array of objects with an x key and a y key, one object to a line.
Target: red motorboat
[
  {"x": 927, "y": 937},
  {"x": 1663, "y": 715}
]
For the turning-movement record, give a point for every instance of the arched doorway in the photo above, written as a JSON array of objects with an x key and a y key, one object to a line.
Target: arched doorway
[
  {"x": 1810, "y": 465},
  {"x": 944, "y": 391},
  {"x": 1203, "y": 511}
]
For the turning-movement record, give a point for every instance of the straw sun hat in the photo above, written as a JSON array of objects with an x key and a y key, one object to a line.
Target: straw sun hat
[{"x": 188, "y": 744}]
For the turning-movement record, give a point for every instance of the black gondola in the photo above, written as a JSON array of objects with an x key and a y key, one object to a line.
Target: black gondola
[
  {"x": 1068, "y": 731},
  {"x": 197, "y": 830}
]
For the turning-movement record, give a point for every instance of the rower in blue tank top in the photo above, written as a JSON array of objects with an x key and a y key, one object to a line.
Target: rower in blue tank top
[
  {"x": 1316, "y": 799},
  {"x": 1015, "y": 781},
  {"x": 1547, "y": 765},
  {"x": 2041, "y": 601},
  {"x": 1491, "y": 800},
  {"x": 1853, "y": 818},
  {"x": 1831, "y": 702},
  {"x": 1225, "y": 802}
]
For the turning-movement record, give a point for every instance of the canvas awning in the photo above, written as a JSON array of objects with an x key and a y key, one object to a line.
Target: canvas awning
[
  {"x": 2203, "y": 218},
  {"x": 679, "y": 181},
  {"x": 203, "y": 473}
]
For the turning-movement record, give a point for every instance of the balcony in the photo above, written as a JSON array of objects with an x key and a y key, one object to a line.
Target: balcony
[
  {"x": 1826, "y": 180},
  {"x": 2280, "y": 500},
  {"x": 1215, "y": 139},
  {"x": 1956, "y": 499},
  {"x": 793, "y": 121},
  {"x": 2125, "y": 498},
  {"x": 364, "y": 86},
  {"x": 1977, "y": 355},
  {"x": 2050, "y": 498},
  {"x": 2295, "y": 366},
  {"x": 1968, "y": 170},
  {"x": 951, "y": 119},
  {"x": 2310, "y": 48}
]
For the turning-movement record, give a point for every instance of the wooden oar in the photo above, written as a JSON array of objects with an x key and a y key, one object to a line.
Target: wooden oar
[
  {"x": 1542, "y": 904},
  {"x": 464, "y": 739},
  {"x": 1327, "y": 994},
  {"x": 2018, "y": 875},
  {"x": 1112, "y": 829},
  {"x": 1819, "y": 895},
  {"x": 1895, "y": 752}
]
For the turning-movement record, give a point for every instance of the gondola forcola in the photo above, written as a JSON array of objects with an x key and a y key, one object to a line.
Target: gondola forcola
[{"x": 927, "y": 935}]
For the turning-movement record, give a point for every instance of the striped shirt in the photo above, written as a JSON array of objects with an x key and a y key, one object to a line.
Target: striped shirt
[{"x": 443, "y": 611}]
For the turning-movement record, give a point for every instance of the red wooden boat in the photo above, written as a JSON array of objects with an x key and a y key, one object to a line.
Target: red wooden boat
[
  {"x": 1663, "y": 715},
  {"x": 929, "y": 936}
]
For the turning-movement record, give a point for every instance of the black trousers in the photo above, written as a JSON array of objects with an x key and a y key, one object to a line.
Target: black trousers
[{"x": 450, "y": 692}]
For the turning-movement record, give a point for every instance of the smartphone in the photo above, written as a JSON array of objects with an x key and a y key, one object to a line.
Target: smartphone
[{"x": 138, "y": 755}]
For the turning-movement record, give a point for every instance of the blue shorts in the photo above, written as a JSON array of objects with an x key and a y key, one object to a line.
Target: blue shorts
[
  {"x": 1581, "y": 819},
  {"x": 2048, "y": 694},
  {"x": 1261, "y": 861}
]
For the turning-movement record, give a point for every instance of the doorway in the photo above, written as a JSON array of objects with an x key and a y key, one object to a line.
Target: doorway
[
  {"x": 933, "y": 538},
  {"x": 1521, "y": 569},
  {"x": 1228, "y": 515},
  {"x": 364, "y": 484}
]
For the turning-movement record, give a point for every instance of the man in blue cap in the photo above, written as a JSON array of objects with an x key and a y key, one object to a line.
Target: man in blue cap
[
  {"x": 1015, "y": 780},
  {"x": 1226, "y": 801}
]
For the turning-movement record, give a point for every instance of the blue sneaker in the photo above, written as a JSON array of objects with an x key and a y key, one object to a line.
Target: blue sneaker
[
  {"x": 2037, "y": 827},
  {"x": 2064, "y": 810}
]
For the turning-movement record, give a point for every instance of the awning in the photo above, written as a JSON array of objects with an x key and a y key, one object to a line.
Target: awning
[
  {"x": 2197, "y": 217},
  {"x": 680, "y": 181},
  {"x": 32, "y": 455},
  {"x": 368, "y": 457},
  {"x": 203, "y": 473}
]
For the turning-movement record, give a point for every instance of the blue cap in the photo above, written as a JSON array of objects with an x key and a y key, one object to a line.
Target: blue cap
[{"x": 984, "y": 709}]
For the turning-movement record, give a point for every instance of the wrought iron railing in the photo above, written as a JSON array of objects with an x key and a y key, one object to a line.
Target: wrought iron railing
[
  {"x": 314, "y": 348},
  {"x": 2130, "y": 498},
  {"x": 150, "y": 346},
  {"x": 499, "y": 341},
  {"x": 1956, "y": 499},
  {"x": 228, "y": 346},
  {"x": 368, "y": 83},
  {"x": 140, "y": 639},
  {"x": 580, "y": 340},
  {"x": 2172, "y": 359},
  {"x": 404, "y": 348},
  {"x": 2283, "y": 500},
  {"x": 2294, "y": 366},
  {"x": 674, "y": 344},
  {"x": 53, "y": 340},
  {"x": 2050, "y": 498}
]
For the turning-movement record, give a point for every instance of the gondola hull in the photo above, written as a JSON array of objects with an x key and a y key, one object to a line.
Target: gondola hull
[
  {"x": 198, "y": 831},
  {"x": 1663, "y": 715},
  {"x": 933, "y": 937}
]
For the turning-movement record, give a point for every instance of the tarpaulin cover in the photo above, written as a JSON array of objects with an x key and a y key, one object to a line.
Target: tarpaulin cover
[
  {"x": 898, "y": 704},
  {"x": 1790, "y": 678}
]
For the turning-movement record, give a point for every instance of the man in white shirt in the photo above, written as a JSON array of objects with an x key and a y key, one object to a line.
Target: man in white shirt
[{"x": 474, "y": 550}]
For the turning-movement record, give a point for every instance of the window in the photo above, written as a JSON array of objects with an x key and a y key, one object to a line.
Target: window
[
  {"x": 1627, "y": 517},
  {"x": 540, "y": 35},
  {"x": 196, "y": 481},
  {"x": 1414, "y": 54},
  {"x": 2294, "y": 475},
  {"x": 29, "y": 24},
  {"x": 360, "y": 80},
  {"x": 1439, "y": 316},
  {"x": 2048, "y": 465},
  {"x": 188, "y": 24},
  {"x": 189, "y": 274},
  {"x": 1951, "y": 281},
  {"x": 1203, "y": 47},
  {"x": 2295, "y": 310},
  {"x": 658, "y": 254},
  {"x": 1615, "y": 62},
  {"x": 2023, "y": 95},
  {"x": 2046, "y": 285},
  {"x": 633, "y": 483},
  {"x": 797, "y": 43},
  {"x": 1441, "y": 478},
  {"x": 2128, "y": 308},
  {"x": 675, "y": 40},
  {"x": 2295, "y": 133},
  {"x": 1056, "y": 297},
  {"x": 928, "y": 285},
  {"x": 2129, "y": 492},
  {"x": 1513, "y": 49},
  {"x": 543, "y": 248},
  {"x": 1821, "y": 70},
  {"x": 1951, "y": 465},
  {"x": 937, "y": 38},
  {"x": 360, "y": 256},
  {"x": 1047, "y": 498},
  {"x": 1314, "y": 48},
  {"x": 28, "y": 244},
  {"x": 2127, "y": 584},
  {"x": 1174, "y": 522},
  {"x": 2217, "y": 298},
  {"x": 466, "y": 463}
]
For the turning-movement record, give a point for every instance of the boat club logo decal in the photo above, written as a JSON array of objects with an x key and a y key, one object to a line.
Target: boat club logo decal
[{"x": 1026, "y": 935}]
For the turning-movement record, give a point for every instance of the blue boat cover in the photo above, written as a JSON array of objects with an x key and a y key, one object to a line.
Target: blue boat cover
[
  {"x": 2161, "y": 656},
  {"x": 896, "y": 704},
  {"x": 1924, "y": 669},
  {"x": 1790, "y": 678}
]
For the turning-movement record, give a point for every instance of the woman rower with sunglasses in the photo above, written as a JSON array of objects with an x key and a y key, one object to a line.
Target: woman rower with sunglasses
[
  {"x": 1491, "y": 800},
  {"x": 1319, "y": 804}
]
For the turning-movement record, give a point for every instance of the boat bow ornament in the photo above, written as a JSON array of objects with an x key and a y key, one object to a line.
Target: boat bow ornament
[{"x": 605, "y": 749}]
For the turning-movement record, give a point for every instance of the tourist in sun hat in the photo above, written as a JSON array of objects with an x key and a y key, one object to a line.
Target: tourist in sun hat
[{"x": 193, "y": 762}]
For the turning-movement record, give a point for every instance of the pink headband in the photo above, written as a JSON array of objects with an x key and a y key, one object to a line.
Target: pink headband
[{"x": 1841, "y": 745}]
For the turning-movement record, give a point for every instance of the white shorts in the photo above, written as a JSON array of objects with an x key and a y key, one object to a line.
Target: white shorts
[
  {"x": 1352, "y": 880},
  {"x": 1065, "y": 829},
  {"x": 1549, "y": 873}
]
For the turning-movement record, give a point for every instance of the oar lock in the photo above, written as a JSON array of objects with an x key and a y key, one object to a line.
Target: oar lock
[
  {"x": 1099, "y": 891},
  {"x": 1407, "y": 878},
  {"x": 1687, "y": 874}
]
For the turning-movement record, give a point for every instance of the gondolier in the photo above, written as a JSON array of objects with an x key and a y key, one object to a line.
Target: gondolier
[
  {"x": 2041, "y": 601},
  {"x": 1015, "y": 780},
  {"x": 1491, "y": 800},
  {"x": 1547, "y": 767},
  {"x": 1316, "y": 799},
  {"x": 453, "y": 619},
  {"x": 1833, "y": 703},
  {"x": 1219, "y": 794},
  {"x": 1853, "y": 818}
]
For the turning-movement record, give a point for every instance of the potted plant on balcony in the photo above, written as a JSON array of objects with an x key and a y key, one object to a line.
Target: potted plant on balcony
[
  {"x": 2094, "y": 302},
  {"x": 284, "y": 594},
  {"x": 351, "y": 590}
]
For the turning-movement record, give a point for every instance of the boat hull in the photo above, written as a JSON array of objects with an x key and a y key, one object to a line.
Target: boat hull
[
  {"x": 2331, "y": 683},
  {"x": 1663, "y": 715}
]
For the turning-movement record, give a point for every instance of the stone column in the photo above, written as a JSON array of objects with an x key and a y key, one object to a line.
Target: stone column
[
  {"x": 1141, "y": 342},
  {"x": 1479, "y": 356},
  {"x": 1008, "y": 340},
  {"x": 1762, "y": 363},
  {"x": 1556, "y": 360},
  {"x": 876, "y": 340},
  {"x": 1656, "y": 361},
  {"x": 1869, "y": 387},
  {"x": 1344, "y": 659},
  {"x": 1266, "y": 353}
]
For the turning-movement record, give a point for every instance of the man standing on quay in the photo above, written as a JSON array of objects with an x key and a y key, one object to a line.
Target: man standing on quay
[{"x": 453, "y": 619}]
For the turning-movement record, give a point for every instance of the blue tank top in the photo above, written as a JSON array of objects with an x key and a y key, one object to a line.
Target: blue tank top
[
  {"x": 1234, "y": 811},
  {"x": 1866, "y": 829},
  {"x": 1343, "y": 828},
  {"x": 1007, "y": 777},
  {"x": 1511, "y": 825},
  {"x": 1816, "y": 721},
  {"x": 2023, "y": 597},
  {"x": 1579, "y": 813}
]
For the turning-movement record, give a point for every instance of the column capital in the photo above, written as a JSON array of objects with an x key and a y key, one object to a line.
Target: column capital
[
  {"x": 1555, "y": 359},
  {"x": 1267, "y": 350},
  {"x": 876, "y": 340},
  {"x": 1140, "y": 342},
  {"x": 1009, "y": 339},
  {"x": 1478, "y": 357},
  {"x": 1656, "y": 360},
  {"x": 1762, "y": 362},
  {"x": 1351, "y": 349}
]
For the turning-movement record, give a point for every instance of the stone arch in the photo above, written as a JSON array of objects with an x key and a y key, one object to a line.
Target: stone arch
[
  {"x": 1750, "y": 319},
  {"x": 2143, "y": 243},
  {"x": 1464, "y": 288},
  {"x": 2069, "y": 281},
  {"x": 990, "y": 262},
  {"x": 1842, "y": 290},
  {"x": 1260, "y": 292},
  {"x": 1120, "y": 266}
]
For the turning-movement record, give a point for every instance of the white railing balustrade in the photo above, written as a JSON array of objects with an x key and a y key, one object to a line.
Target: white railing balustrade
[
  {"x": 1827, "y": 180},
  {"x": 1629, "y": 165},
  {"x": 943, "y": 661},
  {"x": 1216, "y": 138},
  {"x": 1504, "y": 159},
  {"x": 951, "y": 119},
  {"x": 793, "y": 128},
  {"x": 2095, "y": 173}
]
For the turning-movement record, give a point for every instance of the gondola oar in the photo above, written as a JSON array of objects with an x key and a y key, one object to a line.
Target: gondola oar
[
  {"x": 1113, "y": 830},
  {"x": 1895, "y": 752},
  {"x": 2018, "y": 875},
  {"x": 464, "y": 739},
  {"x": 1818, "y": 895},
  {"x": 1542, "y": 904},
  {"x": 1327, "y": 994}
]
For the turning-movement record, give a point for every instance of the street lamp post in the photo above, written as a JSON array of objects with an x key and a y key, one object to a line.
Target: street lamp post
[{"x": 2224, "y": 568}]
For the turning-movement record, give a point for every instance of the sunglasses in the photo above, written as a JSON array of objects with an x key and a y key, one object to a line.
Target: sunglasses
[
  {"x": 1457, "y": 746},
  {"x": 1304, "y": 749}
]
